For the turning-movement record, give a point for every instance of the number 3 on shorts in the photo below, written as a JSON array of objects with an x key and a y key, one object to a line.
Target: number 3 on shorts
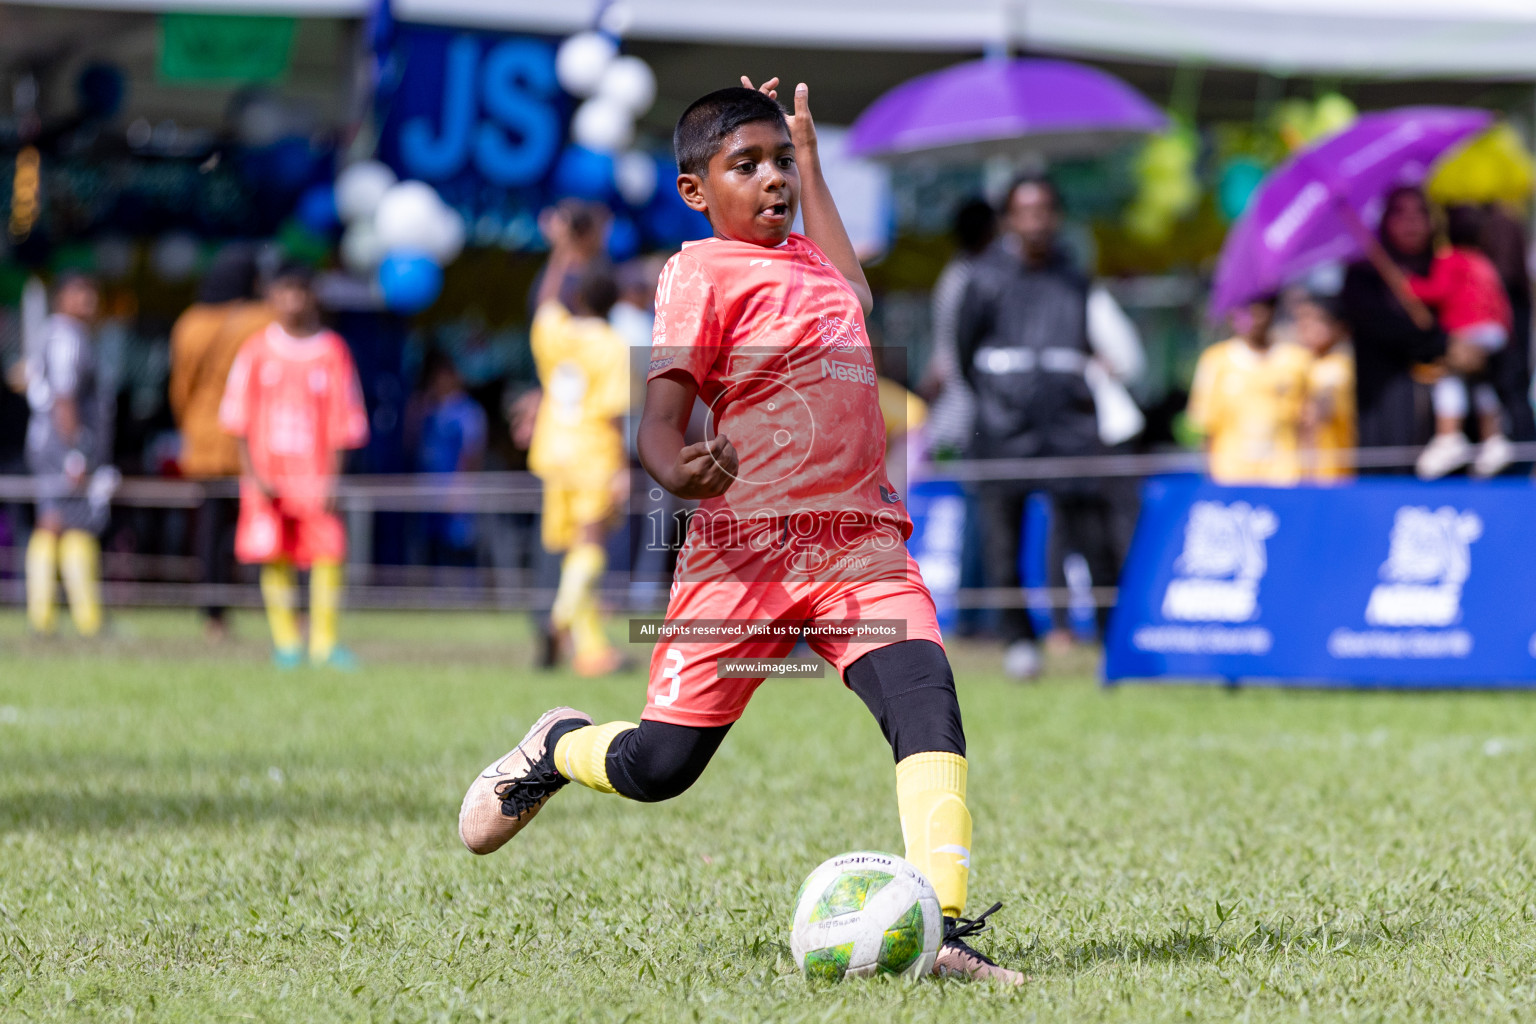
[{"x": 671, "y": 673}]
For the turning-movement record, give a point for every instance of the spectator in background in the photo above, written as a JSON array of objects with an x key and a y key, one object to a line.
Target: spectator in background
[
  {"x": 69, "y": 445},
  {"x": 577, "y": 447},
  {"x": 952, "y": 412},
  {"x": 1022, "y": 344},
  {"x": 1464, "y": 290},
  {"x": 294, "y": 402},
  {"x": 1249, "y": 399},
  {"x": 1503, "y": 241},
  {"x": 1393, "y": 407},
  {"x": 446, "y": 433},
  {"x": 1330, "y": 389},
  {"x": 204, "y": 342}
]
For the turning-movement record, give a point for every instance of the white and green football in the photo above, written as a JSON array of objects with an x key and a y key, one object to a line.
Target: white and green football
[{"x": 864, "y": 913}]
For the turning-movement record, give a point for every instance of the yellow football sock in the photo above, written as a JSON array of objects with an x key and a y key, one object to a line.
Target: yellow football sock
[
  {"x": 324, "y": 608},
  {"x": 579, "y": 573},
  {"x": 581, "y": 755},
  {"x": 277, "y": 592},
  {"x": 587, "y": 637},
  {"x": 930, "y": 794},
  {"x": 42, "y": 579},
  {"x": 80, "y": 565}
]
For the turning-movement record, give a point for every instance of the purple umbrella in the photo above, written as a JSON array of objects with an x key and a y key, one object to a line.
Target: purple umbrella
[
  {"x": 995, "y": 106},
  {"x": 1311, "y": 209}
]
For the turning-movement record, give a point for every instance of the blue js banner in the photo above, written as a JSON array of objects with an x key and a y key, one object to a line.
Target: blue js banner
[
  {"x": 472, "y": 107},
  {"x": 1381, "y": 583}
]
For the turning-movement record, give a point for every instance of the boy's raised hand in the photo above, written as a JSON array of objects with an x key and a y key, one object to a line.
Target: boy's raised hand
[
  {"x": 706, "y": 469},
  {"x": 802, "y": 129}
]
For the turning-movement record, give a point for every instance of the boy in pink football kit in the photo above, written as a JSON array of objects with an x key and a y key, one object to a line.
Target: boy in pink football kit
[
  {"x": 294, "y": 402},
  {"x": 797, "y": 522}
]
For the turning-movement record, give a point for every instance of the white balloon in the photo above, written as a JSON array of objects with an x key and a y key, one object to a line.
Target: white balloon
[
  {"x": 361, "y": 252},
  {"x": 175, "y": 257},
  {"x": 629, "y": 82},
  {"x": 359, "y": 189},
  {"x": 635, "y": 175},
  {"x": 581, "y": 61},
  {"x": 602, "y": 125},
  {"x": 448, "y": 239},
  {"x": 408, "y": 216}
]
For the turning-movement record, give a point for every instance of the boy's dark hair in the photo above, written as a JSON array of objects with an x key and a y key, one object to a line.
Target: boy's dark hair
[
  {"x": 1039, "y": 180},
  {"x": 596, "y": 292},
  {"x": 434, "y": 363},
  {"x": 706, "y": 123},
  {"x": 292, "y": 272},
  {"x": 1327, "y": 302},
  {"x": 975, "y": 225},
  {"x": 1464, "y": 226},
  {"x": 72, "y": 278}
]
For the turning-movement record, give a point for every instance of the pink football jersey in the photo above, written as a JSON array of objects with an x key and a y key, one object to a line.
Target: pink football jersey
[
  {"x": 775, "y": 340},
  {"x": 297, "y": 402}
]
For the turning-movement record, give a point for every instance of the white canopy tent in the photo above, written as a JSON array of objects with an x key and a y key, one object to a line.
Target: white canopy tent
[
  {"x": 1392, "y": 38},
  {"x": 1420, "y": 38}
]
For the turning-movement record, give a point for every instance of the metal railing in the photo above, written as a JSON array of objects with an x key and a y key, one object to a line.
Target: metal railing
[{"x": 173, "y": 579}]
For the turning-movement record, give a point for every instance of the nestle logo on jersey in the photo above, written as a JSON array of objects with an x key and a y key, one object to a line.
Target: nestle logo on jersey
[{"x": 838, "y": 370}]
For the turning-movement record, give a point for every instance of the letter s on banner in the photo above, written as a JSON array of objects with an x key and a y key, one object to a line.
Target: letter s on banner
[{"x": 519, "y": 145}]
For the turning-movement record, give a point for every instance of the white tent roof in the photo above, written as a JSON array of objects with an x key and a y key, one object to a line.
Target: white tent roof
[
  {"x": 1419, "y": 38},
  {"x": 1471, "y": 38}
]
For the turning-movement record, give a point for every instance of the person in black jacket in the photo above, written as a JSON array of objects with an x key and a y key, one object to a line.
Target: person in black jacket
[
  {"x": 1022, "y": 344},
  {"x": 1393, "y": 408}
]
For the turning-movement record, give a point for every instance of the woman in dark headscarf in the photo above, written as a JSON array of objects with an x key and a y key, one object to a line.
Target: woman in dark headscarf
[{"x": 1394, "y": 409}]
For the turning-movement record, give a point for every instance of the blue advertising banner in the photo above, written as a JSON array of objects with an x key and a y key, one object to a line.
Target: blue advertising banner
[
  {"x": 469, "y": 108},
  {"x": 1384, "y": 583}
]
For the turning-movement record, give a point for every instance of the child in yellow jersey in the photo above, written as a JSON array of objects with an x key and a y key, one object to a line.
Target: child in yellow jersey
[
  {"x": 1249, "y": 400},
  {"x": 1330, "y": 389},
  {"x": 578, "y": 446}
]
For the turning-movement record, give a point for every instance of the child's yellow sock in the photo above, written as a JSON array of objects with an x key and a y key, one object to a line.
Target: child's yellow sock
[
  {"x": 324, "y": 609},
  {"x": 42, "y": 579},
  {"x": 579, "y": 574},
  {"x": 80, "y": 566},
  {"x": 277, "y": 593},
  {"x": 935, "y": 824},
  {"x": 581, "y": 755}
]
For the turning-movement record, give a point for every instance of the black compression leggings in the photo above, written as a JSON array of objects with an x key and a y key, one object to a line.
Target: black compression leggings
[{"x": 908, "y": 687}]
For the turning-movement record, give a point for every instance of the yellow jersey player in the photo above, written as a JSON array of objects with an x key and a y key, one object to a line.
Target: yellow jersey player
[
  {"x": 1330, "y": 389},
  {"x": 578, "y": 444},
  {"x": 1249, "y": 399}
]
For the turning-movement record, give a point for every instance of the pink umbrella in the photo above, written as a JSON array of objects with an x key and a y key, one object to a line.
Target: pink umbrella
[
  {"x": 1310, "y": 210},
  {"x": 994, "y": 106}
]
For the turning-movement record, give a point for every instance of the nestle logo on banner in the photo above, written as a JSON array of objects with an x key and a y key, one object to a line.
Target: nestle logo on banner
[
  {"x": 1223, "y": 561},
  {"x": 1428, "y": 561}
]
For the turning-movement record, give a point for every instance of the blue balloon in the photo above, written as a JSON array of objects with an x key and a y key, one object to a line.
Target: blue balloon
[
  {"x": 317, "y": 209},
  {"x": 623, "y": 239},
  {"x": 583, "y": 173},
  {"x": 411, "y": 281}
]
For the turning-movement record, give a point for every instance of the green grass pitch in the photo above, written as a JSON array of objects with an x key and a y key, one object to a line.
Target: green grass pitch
[{"x": 188, "y": 835}]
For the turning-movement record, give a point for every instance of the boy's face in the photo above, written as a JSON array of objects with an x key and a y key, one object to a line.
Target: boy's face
[
  {"x": 79, "y": 300},
  {"x": 752, "y": 189},
  {"x": 1259, "y": 317},
  {"x": 1315, "y": 328},
  {"x": 291, "y": 301}
]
